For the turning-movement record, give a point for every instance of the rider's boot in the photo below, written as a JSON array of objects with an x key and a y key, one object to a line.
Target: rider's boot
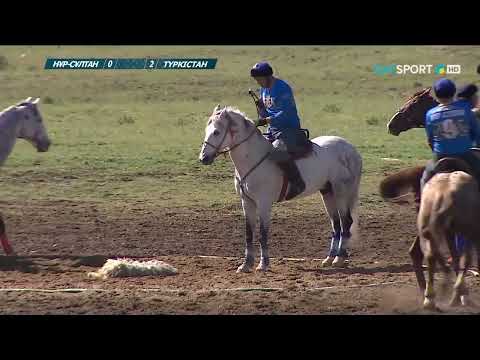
[{"x": 297, "y": 185}]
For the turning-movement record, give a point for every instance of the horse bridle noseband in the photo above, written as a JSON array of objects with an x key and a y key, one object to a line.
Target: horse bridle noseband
[
  {"x": 227, "y": 130},
  {"x": 405, "y": 109},
  {"x": 241, "y": 181}
]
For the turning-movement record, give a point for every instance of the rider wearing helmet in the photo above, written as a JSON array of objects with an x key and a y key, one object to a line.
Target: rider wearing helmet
[
  {"x": 278, "y": 110},
  {"x": 451, "y": 129}
]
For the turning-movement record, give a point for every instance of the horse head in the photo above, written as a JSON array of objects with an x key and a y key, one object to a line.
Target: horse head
[{"x": 412, "y": 113}]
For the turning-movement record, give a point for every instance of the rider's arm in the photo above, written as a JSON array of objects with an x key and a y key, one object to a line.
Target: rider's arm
[
  {"x": 428, "y": 130},
  {"x": 261, "y": 110}
]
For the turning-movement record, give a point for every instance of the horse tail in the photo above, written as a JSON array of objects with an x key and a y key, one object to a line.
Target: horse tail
[{"x": 401, "y": 183}]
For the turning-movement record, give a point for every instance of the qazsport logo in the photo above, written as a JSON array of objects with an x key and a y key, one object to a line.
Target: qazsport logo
[{"x": 417, "y": 69}]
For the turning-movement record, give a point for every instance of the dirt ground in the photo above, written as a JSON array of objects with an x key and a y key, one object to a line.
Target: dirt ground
[{"x": 58, "y": 243}]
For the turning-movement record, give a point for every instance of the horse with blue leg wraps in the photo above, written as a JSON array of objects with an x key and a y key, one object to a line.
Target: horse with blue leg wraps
[
  {"x": 333, "y": 167},
  {"x": 20, "y": 121},
  {"x": 411, "y": 116}
]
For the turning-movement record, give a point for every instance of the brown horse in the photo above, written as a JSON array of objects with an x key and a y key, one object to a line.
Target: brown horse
[
  {"x": 438, "y": 217},
  {"x": 397, "y": 185},
  {"x": 412, "y": 114},
  {"x": 450, "y": 205}
]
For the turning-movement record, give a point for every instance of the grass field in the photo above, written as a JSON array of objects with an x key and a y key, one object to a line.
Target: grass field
[
  {"x": 135, "y": 135},
  {"x": 122, "y": 179}
]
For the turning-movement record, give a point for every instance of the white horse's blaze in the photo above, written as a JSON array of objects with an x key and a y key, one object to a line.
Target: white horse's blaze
[{"x": 334, "y": 164}]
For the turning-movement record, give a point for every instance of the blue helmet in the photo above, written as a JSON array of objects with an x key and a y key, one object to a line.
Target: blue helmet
[
  {"x": 261, "y": 69},
  {"x": 444, "y": 88}
]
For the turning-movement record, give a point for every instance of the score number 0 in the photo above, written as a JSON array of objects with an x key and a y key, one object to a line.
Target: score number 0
[{"x": 110, "y": 63}]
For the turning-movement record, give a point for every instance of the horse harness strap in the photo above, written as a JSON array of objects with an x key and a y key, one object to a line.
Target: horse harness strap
[
  {"x": 241, "y": 181},
  {"x": 234, "y": 146}
]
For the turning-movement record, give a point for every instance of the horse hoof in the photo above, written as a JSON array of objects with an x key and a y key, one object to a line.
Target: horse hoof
[
  {"x": 465, "y": 301},
  {"x": 474, "y": 272},
  {"x": 429, "y": 304},
  {"x": 262, "y": 267},
  {"x": 244, "y": 268},
  {"x": 327, "y": 261},
  {"x": 339, "y": 261},
  {"x": 456, "y": 301}
]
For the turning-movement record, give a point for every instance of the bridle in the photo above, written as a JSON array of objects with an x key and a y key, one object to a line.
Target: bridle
[
  {"x": 241, "y": 181},
  {"x": 406, "y": 108},
  {"x": 228, "y": 131}
]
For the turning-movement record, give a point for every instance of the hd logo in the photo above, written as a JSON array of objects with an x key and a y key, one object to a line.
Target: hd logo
[{"x": 442, "y": 69}]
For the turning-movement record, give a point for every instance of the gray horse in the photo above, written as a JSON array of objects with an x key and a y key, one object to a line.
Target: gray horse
[{"x": 21, "y": 121}]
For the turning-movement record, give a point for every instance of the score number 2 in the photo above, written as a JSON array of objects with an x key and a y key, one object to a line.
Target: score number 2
[{"x": 151, "y": 64}]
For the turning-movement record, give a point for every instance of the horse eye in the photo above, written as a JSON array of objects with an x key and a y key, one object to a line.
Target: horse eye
[{"x": 216, "y": 132}]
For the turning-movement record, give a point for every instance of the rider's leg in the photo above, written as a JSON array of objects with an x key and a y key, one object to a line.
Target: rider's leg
[
  {"x": 427, "y": 174},
  {"x": 474, "y": 162},
  {"x": 281, "y": 156}
]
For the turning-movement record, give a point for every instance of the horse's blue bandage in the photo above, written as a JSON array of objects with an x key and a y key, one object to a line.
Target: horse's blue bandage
[
  {"x": 334, "y": 244},
  {"x": 460, "y": 242}
]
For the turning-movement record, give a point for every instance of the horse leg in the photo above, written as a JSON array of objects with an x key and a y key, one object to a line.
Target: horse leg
[
  {"x": 417, "y": 259},
  {"x": 332, "y": 211},
  {"x": 347, "y": 221},
  {"x": 250, "y": 213},
  {"x": 265, "y": 211},
  {"x": 429, "y": 301},
  {"x": 4, "y": 239},
  {"x": 432, "y": 238},
  {"x": 460, "y": 292}
]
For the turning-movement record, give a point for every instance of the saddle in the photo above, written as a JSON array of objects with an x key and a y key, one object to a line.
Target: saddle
[
  {"x": 302, "y": 151},
  {"x": 448, "y": 165},
  {"x": 303, "y": 148}
]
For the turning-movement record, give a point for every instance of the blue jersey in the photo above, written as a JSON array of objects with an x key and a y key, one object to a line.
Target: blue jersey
[
  {"x": 280, "y": 106},
  {"x": 452, "y": 129}
]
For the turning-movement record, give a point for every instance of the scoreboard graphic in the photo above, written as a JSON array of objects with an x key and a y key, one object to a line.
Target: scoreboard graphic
[{"x": 129, "y": 64}]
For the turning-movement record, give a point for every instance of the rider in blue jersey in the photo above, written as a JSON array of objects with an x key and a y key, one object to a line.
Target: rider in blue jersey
[
  {"x": 452, "y": 129},
  {"x": 278, "y": 110}
]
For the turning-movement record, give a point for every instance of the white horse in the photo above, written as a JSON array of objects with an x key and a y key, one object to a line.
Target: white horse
[
  {"x": 334, "y": 168},
  {"x": 22, "y": 121}
]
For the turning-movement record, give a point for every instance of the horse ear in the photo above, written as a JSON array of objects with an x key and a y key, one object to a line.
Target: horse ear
[
  {"x": 28, "y": 99},
  {"x": 216, "y": 108}
]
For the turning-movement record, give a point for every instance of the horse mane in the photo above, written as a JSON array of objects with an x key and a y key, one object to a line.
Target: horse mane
[
  {"x": 414, "y": 98},
  {"x": 236, "y": 111},
  {"x": 7, "y": 110}
]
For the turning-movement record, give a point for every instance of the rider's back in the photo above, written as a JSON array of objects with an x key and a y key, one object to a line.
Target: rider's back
[{"x": 451, "y": 128}]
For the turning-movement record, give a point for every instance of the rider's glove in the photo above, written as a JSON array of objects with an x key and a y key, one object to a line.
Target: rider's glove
[{"x": 261, "y": 122}]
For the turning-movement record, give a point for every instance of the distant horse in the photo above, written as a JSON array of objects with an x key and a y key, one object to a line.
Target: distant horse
[
  {"x": 21, "y": 121},
  {"x": 333, "y": 168}
]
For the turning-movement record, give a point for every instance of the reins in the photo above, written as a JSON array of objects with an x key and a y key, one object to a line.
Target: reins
[{"x": 241, "y": 181}]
